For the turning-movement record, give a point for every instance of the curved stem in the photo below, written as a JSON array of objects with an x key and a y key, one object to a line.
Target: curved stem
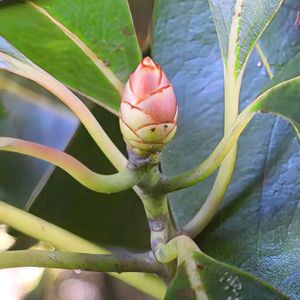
[
  {"x": 232, "y": 80},
  {"x": 36, "y": 74},
  {"x": 99, "y": 183},
  {"x": 179, "y": 247},
  {"x": 127, "y": 262},
  {"x": 215, "y": 197},
  {"x": 183, "y": 248},
  {"x": 232, "y": 84},
  {"x": 65, "y": 240},
  {"x": 264, "y": 60},
  {"x": 206, "y": 168}
]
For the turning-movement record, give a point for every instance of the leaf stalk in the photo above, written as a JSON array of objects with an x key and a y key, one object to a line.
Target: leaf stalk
[{"x": 108, "y": 184}]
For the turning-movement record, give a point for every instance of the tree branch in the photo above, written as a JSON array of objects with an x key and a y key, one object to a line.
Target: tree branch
[
  {"x": 128, "y": 262},
  {"x": 121, "y": 181}
]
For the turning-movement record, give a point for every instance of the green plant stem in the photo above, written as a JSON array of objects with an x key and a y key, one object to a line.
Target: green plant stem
[
  {"x": 260, "y": 104},
  {"x": 157, "y": 211},
  {"x": 179, "y": 247},
  {"x": 156, "y": 207},
  {"x": 121, "y": 181},
  {"x": 232, "y": 84},
  {"x": 127, "y": 262},
  {"x": 31, "y": 71},
  {"x": 214, "y": 199},
  {"x": 162, "y": 229},
  {"x": 64, "y": 240},
  {"x": 232, "y": 80},
  {"x": 159, "y": 219},
  {"x": 183, "y": 248},
  {"x": 264, "y": 60},
  {"x": 233, "y": 74},
  {"x": 206, "y": 168},
  {"x": 216, "y": 195}
]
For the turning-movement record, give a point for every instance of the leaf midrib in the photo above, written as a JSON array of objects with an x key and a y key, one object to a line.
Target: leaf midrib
[{"x": 233, "y": 47}]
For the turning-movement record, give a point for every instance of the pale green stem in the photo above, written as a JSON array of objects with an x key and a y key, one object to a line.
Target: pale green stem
[
  {"x": 232, "y": 80},
  {"x": 215, "y": 197},
  {"x": 125, "y": 262},
  {"x": 179, "y": 247},
  {"x": 157, "y": 210},
  {"x": 158, "y": 215},
  {"x": 124, "y": 180},
  {"x": 205, "y": 169},
  {"x": 36, "y": 74},
  {"x": 264, "y": 60},
  {"x": 156, "y": 207},
  {"x": 64, "y": 240},
  {"x": 183, "y": 248}
]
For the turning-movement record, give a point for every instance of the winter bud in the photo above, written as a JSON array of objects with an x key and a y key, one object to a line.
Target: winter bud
[{"x": 148, "y": 109}]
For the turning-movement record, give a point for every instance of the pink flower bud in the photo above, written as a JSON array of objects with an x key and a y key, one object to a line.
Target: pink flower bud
[{"x": 148, "y": 109}]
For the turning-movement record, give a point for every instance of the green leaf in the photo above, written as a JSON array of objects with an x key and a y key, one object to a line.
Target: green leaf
[
  {"x": 284, "y": 100},
  {"x": 239, "y": 24},
  {"x": 219, "y": 281},
  {"x": 90, "y": 47},
  {"x": 256, "y": 228}
]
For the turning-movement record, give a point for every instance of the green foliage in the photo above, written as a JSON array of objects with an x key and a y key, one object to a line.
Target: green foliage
[
  {"x": 220, "y": 281},
  {"x": 240, "y": 23},
  {"x": 283, "y": 101},
  {"x": 35, "y": 35},
  {"x": 92, "y": 48},
  {"x": 256, "y": 228}
]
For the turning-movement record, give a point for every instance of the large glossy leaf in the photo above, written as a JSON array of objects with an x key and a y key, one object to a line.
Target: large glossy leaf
[
  {"x": 283, "y": 100},
  {"x": 218, "y": 281},
  {"x": 45, "y": 31},
  {"x": 256, "y": 228}
]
